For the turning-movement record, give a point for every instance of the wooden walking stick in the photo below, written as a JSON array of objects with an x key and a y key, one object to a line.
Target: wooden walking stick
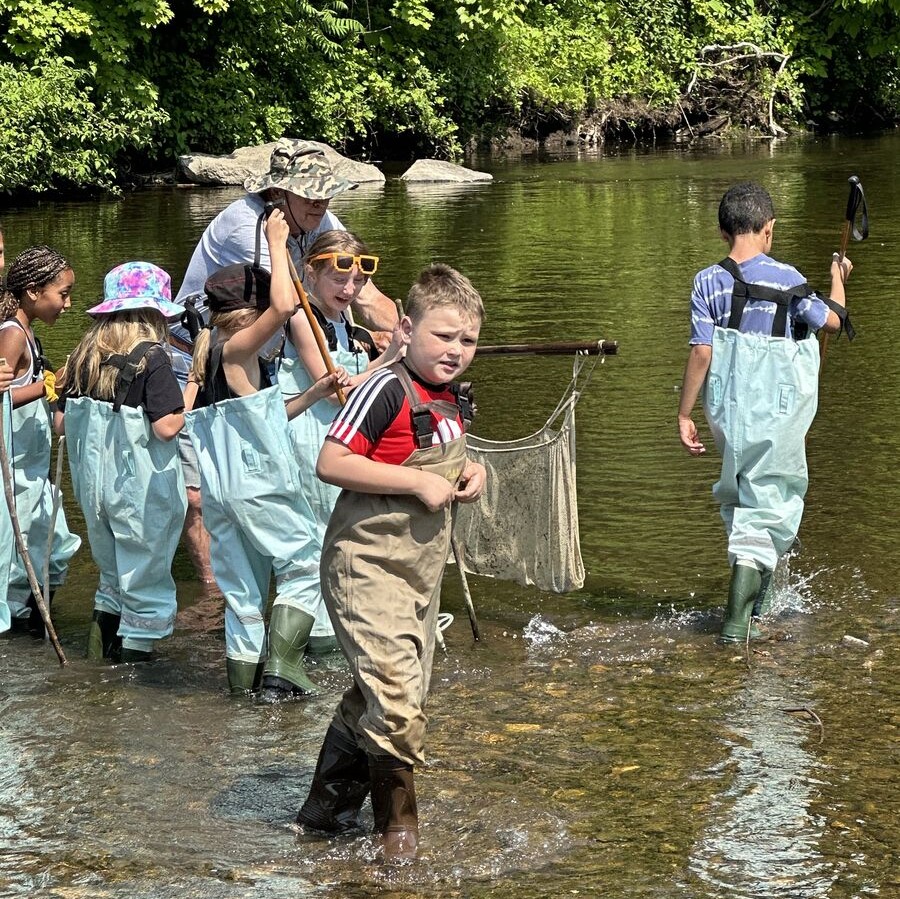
[
  {"x": 20, "y": 542},
  {"x": 57, "y": 502},
  {"x": 317, "y": 331},
  {"x": 856, "y": 202},
  {"x": 467, "y": 596},
  {"x": 564, "y": 348}
]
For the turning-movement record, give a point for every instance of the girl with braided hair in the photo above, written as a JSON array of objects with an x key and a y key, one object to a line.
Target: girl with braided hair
[
  {"x": 6, "y": 531},
  {"x": 6, "y": 372},
  {"x": 38, "y": 287}
]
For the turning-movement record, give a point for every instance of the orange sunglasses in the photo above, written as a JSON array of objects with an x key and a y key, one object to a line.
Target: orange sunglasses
[{"x": 344, "y": 262}]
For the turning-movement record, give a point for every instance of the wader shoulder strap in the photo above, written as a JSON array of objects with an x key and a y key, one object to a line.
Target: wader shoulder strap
[
  {"x": 358, "y": 339},
  {"x": 423, "y": 432},
  {"x": 744, "y": 293},
  {"x": 364, "y": 340},
  {"x": 215, "y": 383},
  {"x": 128, "y": 366},
  {"x": 843, "y": 315},
  {"x": 465, "y": 396},
  {"x": 326, "y": 326}
]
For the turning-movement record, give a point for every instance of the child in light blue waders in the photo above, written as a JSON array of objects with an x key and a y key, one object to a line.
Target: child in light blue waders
[
  {"x": 753, "y": 355},
  {"x": 255, "y": 505},
  {"x": 120, "y": 405},
  {"x": 39, "y": 285},
  {"x": 338, "y": 267},
  {"x": 6, "y": 531},
  {"x": 7, "y": 540}
]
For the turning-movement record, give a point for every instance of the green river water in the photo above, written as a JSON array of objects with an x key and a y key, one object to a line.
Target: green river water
[{"x": 597, "y": 744}]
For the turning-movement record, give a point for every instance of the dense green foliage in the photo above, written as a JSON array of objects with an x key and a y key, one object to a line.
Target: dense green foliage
[{"x": 90, "y": 88}]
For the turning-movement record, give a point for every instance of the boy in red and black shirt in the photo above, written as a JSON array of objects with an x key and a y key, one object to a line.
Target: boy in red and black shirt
[{"x": 398, "y": 451}]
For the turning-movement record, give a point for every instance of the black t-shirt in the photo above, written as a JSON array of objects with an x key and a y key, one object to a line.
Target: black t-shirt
[{"x": 155, "y": 389}]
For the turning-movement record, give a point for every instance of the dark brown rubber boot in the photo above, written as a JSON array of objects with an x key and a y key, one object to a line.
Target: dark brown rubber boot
[
  {"x": 339, "y": 786},
  {"x": 394, "y": 806}
]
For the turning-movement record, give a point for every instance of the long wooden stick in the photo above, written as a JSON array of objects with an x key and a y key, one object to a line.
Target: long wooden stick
[
  {"x": 317, "y": 331},
  {"x": 57, "y": 502},
  {"x": 20, "y": 543},
  {"x": 566, "y": 348},
  {"x": 467, "y": 596}
]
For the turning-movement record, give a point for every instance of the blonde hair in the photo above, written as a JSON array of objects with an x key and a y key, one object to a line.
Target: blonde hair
[
  {"x": 228, "y": 323},
  {"x": 109, "y": 335},
  {"x": 439, "y": 285}
]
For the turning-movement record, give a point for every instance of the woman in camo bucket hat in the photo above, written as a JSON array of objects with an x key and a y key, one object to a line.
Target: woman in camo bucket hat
[
  {"x": 301, "y": 169},
  {"x": 138, "y": 285}
]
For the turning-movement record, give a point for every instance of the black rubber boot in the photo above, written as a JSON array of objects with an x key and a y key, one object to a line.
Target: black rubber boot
[
  {"x": 745, "y": 585},
  {"x": 394, "y": 807},
  {"x": 243, "y": 677},
  {"x": 283, "y": 675},
  {"x": 339, "y": 787},
  {"x": 104, "y": 641},
  {"x": 126, "y": 654},
  {"x": 35, "y": 621}
]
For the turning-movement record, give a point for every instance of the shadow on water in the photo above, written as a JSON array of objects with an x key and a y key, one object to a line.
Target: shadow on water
[{"x": 598, "y": 744}]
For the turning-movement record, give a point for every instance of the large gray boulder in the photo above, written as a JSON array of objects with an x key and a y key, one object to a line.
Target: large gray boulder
[
  {"x": 251, "y": 162},
  {"x": 432, "y": 170}
]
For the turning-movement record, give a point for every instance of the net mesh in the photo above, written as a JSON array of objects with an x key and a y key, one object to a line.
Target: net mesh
[{"x": 524, "y": 528}]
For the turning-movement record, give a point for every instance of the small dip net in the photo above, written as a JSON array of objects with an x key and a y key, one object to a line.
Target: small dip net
[{"x": 524, "y": 528}]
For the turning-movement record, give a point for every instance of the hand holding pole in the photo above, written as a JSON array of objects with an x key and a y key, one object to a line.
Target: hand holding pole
[{"x": 856, "y": 200}]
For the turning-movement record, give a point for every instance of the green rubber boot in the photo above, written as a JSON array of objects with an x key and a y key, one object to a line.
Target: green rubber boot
[
  {"x": 284, "y": 676},
  {"x": 764, "y": 597},
  {"x": 243, "y": 677},
  {"x": 103, "y": 637},
  {"x": 745, "y": 586},
  {"x": 320, "y": 646}
]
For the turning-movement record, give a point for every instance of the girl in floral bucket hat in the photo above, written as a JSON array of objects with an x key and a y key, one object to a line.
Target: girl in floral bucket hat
[{"x": 120, "y": 406}]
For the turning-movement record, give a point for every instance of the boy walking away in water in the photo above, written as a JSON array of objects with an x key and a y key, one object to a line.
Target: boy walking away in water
[
  {"x": 752, "y": 353},
  {"x": 398, "y": 450}
]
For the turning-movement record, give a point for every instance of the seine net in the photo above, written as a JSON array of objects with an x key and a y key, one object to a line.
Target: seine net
[{"x": 524, "y": 528}]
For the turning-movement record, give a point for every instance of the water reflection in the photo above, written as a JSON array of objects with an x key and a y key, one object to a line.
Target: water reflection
[
  {"x": 595, "y": 744},
  {"x": 761, "y": 837}
]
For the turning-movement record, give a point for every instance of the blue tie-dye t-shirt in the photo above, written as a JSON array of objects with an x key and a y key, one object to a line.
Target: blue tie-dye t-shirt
[{"x": 711, "y": 300}]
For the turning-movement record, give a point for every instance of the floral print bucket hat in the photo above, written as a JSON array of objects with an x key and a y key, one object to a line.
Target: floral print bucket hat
[{"x": 138, "y": 285}]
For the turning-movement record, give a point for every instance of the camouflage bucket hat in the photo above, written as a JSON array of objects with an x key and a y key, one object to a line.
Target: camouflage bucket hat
[{"x": 304, "y": 171}]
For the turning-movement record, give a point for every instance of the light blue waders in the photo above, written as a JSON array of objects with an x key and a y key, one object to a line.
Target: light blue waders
[
  {"x": 760, "y": 400},
  {"x": 257, "y": 514},
  {"x": 310, "y": 429},
  {"x": 30, "y": 459},
  {"x": 7, "y": 539},
  {"x": 130, "y": 487}
]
